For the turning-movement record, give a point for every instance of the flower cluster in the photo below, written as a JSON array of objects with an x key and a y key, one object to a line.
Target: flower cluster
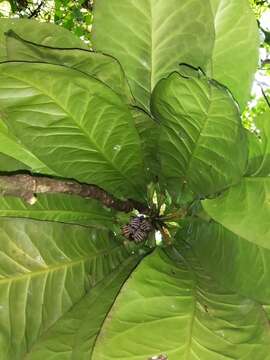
[{"x": 138, "y": 229}]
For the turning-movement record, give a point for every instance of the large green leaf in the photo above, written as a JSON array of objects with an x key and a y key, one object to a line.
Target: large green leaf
[
  {"x": 41, "y": 33},
  {"x": 74, "y": 335},
  {"x": 236, "y": 49},
  {"x": 259, "y": 147},
  {"x": 150, "y": 38},
  {"x": 61, "y": 208},
  {"x": 45, "y": 269},
  {"x": 102, "y": 67},
  {"x": 75, "y": 124},
  {"x": 245, "y": 210},
  {"x": 202, "y": 144},
  {"x": 237, "y": 264},
  {"x": 173, "y": 307}
]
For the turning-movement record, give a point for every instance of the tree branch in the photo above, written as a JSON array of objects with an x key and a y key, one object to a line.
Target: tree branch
[{"x": 27, "y": 186}]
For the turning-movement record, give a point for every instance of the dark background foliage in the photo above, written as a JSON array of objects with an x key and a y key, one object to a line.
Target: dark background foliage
[{"x": 75, "y": 16}]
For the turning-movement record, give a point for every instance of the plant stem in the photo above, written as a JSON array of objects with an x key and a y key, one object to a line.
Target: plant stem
[
  {"x": 177, "y": 215},
  {"x": 27, "y": 186}
]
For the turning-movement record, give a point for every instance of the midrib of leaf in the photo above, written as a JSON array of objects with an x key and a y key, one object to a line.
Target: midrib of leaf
[
  {"x": 254, "y": 178},
  {"x": 214, "y": 13},
  {"x": 79, "y": 214},
  {"x": 63, "y": 265},
  {"x": 191, "y": 326},
  {"x": 80, "y": 127},
  {"x": 266, "y": 309},
  {"x": 193, "y": 315},
  {"x": 213, "y": 10},
  {"x": 265, "y": 315},
  {"x": 154, "y": 44},
  {"x": 181, "y": 259},
  {"x": 151, "y": 74}
]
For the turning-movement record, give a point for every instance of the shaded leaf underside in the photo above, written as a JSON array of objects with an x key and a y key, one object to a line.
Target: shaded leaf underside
[
  {"x": 237, "y": 264},
  {"x": 245, "y": 210},
  {"x": 174, "y": 308}
]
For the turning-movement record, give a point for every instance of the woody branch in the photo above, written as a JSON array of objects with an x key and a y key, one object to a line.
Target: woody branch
[{"x": 27, "y": 187}]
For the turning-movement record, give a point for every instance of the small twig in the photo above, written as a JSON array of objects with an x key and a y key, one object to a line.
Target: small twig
[
  {"x": 177, "y": 215},
  {"x": 265, "y": 62},
  {"x": 265, "y": 97},
  {"x": 27, "y": 186},
  {"x": 36, "y": 11},
  {"x": 88, "y": 4}
]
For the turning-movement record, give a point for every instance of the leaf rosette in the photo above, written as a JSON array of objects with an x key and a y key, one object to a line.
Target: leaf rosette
[{"x": 148, "y": 122}]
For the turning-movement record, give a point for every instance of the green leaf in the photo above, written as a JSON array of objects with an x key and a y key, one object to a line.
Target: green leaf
[
  {"x": 61, "y": 208},
  {"x": 12, "y": 150},
  {"x": 245, "y": 210},
  {"x": 74, "y": 124},
  {"x": 46, "y": 268},
  {"x": 41, "y": 33},
  {"x": 236, "y": 49},
  {"x": 102, "y": 67},
  {"x": 148, "y": 130},
  {"x": 73, "y": 336},
  {"x": 172, "y": 307},
  {"x": 202, "y": 143},
  {"x": 255, "y": 153},
  {"x": 8, "y": 164},
  {"x": 150, "y": 38},
  {"x": 267, "y": 311},
  {"x": 259, "y": 147},
  {"x": 237, "y": 264}
]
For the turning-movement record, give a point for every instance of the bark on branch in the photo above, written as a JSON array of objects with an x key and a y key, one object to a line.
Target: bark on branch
[{"x": 27, "y": 186}]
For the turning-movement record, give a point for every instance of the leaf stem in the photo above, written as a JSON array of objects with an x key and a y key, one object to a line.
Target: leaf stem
[{"x": 177, "y": 215}]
